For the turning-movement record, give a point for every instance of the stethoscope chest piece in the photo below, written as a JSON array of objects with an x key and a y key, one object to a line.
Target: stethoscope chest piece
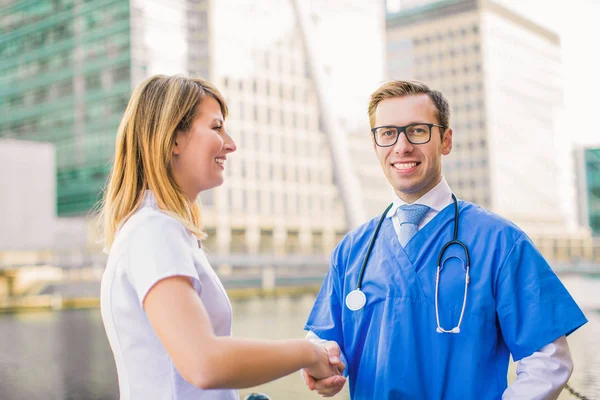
[{"x": 356, "y": 300}]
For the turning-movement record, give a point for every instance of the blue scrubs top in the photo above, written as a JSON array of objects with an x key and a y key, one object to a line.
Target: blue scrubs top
[{"x": 515, "y": 305}]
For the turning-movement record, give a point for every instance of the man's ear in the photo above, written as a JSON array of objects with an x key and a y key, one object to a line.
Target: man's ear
[{"x": 447, "y": 142}]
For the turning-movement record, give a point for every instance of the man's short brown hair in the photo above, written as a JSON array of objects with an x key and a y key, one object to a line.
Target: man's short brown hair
[{"x": 408, "y": 88}]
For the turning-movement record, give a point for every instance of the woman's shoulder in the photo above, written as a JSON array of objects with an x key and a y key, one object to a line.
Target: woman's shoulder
[{"x": 152, "y": 227}]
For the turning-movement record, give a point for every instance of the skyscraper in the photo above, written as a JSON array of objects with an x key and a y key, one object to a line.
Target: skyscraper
[
  {"x": 65, "y": 79},
  {"x": 501, "y": 74},
  {"x": 283, "y": 192}
]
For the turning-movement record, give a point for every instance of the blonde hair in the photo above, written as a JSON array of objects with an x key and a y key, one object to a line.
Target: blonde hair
[
  {"x": 406, "y": 88},
  {"x": 159, "y": 107}
]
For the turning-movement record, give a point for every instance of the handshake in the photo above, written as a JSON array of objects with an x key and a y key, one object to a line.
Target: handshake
[{"x": 326, "y": 375}]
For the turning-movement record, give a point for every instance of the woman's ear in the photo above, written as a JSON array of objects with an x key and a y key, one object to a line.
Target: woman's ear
[{"x": 176, "y": 144}]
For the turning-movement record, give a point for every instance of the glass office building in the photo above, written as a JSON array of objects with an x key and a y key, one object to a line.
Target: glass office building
[
  {"x": 65, "y": 79},
  {"x": 592, "y": 174}
]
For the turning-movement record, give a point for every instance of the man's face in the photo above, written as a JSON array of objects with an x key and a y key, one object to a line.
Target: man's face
[{"x": 411, "y": 169}]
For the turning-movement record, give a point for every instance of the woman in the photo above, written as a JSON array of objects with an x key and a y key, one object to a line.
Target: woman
[{"x": 166, "y": 314}]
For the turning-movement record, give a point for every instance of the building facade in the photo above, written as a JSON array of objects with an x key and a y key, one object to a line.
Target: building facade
[
  {"x": 65, "y": 78},
  {"x": 69, "y": 66},
  {"x": 588, "y": 188},
  {"x": 282, "y": 193},
  {"x": 501, "y": 74}
]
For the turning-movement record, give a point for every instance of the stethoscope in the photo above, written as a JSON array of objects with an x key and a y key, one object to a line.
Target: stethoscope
[{"x": 356, "y": 299}]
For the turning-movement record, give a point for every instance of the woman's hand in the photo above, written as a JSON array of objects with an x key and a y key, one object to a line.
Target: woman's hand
[{"x": 326, "y": 379}]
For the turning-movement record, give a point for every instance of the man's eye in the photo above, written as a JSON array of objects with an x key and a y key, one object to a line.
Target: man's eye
[{"x": 388, "y": 133}]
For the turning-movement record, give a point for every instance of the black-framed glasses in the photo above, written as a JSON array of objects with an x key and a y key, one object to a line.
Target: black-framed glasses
[{"x": 419, "y": 133}]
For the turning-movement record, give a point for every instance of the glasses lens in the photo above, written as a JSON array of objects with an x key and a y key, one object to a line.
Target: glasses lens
[
  {"x": 386, "y": 136},
  {"x": 418, "y": 133}
]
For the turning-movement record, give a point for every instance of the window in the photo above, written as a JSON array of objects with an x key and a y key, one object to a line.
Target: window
[
  {"x": 93, "y": 82},
  {"x": 121, "y": 73},
  {"x": 65, "y": 88}
]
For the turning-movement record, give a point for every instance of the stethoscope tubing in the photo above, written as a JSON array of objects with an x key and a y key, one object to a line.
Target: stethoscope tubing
[{"x": 352, "y": 296}]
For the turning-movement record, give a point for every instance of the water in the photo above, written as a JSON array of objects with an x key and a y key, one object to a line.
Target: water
[{"x": 65, "y": 355}]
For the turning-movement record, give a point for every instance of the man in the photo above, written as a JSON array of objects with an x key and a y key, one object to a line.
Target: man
[{"x": 409, "y": 329}]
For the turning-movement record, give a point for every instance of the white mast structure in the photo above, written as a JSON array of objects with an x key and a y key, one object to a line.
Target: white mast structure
[{"x": 345, "y": 178}]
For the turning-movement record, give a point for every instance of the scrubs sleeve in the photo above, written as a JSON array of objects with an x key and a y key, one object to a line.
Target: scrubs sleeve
[
  {"x": 532, "y": 305},
  {"x": 157, "y": 250},
  {"x": 325, "y": 318}
]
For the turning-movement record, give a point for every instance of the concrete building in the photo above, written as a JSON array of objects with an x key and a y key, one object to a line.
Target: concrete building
[
  {"x": 284, "y": 193},
  {"x": 501, "y": 74},
  {"x": 69, "y": 66},
  {"x": 28, "y": 186}
]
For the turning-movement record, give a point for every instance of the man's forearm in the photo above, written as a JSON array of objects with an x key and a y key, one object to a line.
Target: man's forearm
[{"x": 543, "y": 374}]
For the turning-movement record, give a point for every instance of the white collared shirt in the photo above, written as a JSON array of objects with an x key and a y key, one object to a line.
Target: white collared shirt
[{"x": 436, "y": 199}]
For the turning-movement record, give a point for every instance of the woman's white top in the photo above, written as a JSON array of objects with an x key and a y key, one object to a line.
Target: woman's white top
[{"x": 149, "y": 247}]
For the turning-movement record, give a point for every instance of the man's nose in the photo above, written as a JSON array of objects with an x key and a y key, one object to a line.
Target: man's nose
[{"x": 403, "y": 145}]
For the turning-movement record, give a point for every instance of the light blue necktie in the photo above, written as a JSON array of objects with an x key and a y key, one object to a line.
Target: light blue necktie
[{"x": 410, "y": 215}]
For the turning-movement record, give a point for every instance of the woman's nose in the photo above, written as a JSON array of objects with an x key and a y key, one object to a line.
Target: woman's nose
[{"x": 230, "y": 145}]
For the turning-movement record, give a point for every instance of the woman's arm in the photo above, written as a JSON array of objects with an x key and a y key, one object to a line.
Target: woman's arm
[{"x": 181, "y": 322}]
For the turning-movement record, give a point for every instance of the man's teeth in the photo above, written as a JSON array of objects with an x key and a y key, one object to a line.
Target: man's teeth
[
  {"x": 220, "y": 161},
  {"x": 405, "y": 165}
]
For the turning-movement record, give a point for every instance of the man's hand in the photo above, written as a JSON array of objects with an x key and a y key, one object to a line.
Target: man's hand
[{"x": 330, "y": 386}]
